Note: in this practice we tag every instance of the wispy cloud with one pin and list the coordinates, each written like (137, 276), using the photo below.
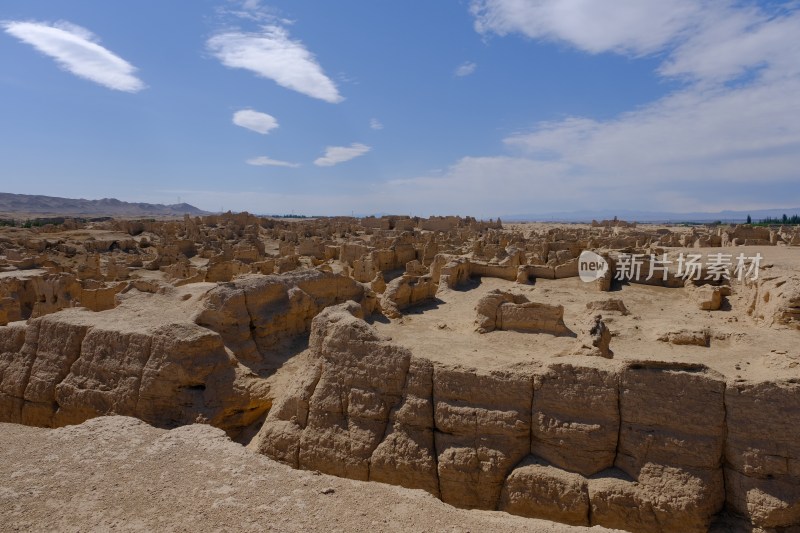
(339, 154)
(729, 137)
(271, 54)
(746, 135)
(465, 69)
(634, 27)
(702, 41)
(76, 50)
(264, 161)
(251, 10)
(251, 5)
(375, 124)
(255, 121)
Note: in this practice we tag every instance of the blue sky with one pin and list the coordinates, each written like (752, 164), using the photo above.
(479, 107)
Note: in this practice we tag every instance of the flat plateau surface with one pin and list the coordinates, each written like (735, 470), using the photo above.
(444, 331)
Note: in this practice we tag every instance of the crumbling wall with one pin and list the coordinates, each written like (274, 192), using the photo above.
(406, 291)
(177, 363)
(631, 445)
(507, 311)
(255, 313)
(72, 367)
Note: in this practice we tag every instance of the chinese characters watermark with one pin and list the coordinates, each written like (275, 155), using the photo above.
(718, 266)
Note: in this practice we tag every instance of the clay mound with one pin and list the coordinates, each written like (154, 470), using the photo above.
(687, 337)
(514, 312)
(610, 304)
(110, 473)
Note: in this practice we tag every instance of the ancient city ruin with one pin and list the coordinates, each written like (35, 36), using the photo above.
(464, 358)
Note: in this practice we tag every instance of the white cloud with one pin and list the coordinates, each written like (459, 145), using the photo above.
(76, 50)
(264, 161)
(729, 138)
(272, 54)
(339, 154)
(466, 69)
(712, 41)
(720, 136)
(483, 186)
(251, 10)
(251, 5)
(695, 150)
(735, 42)
(375, 124)
(625, 26)
(707, 129)
(254, 120)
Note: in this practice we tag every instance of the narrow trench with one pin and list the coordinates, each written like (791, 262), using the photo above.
(618, 383)
(434, 432)
(723, 459)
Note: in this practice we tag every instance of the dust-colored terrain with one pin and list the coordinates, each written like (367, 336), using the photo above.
(116, 473)
(461, 358)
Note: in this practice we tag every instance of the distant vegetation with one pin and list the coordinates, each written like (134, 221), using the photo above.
(27, 223)
(775, 221)
(56, 221)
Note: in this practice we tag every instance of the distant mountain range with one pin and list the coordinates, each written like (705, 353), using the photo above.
(655, 216)
(27, 204)
(42, 206)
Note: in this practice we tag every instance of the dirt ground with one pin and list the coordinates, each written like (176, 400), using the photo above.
(118, 473)
(739, 347)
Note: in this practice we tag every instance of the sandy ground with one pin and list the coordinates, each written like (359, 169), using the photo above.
(118, 473)
(445, 330)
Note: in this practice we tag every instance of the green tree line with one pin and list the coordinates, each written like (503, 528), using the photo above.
(775, 221)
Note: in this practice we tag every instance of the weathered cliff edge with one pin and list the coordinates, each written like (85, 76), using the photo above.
(642, 446)
(174, 357)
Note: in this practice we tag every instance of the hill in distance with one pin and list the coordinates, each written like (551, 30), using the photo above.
(36, 205)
